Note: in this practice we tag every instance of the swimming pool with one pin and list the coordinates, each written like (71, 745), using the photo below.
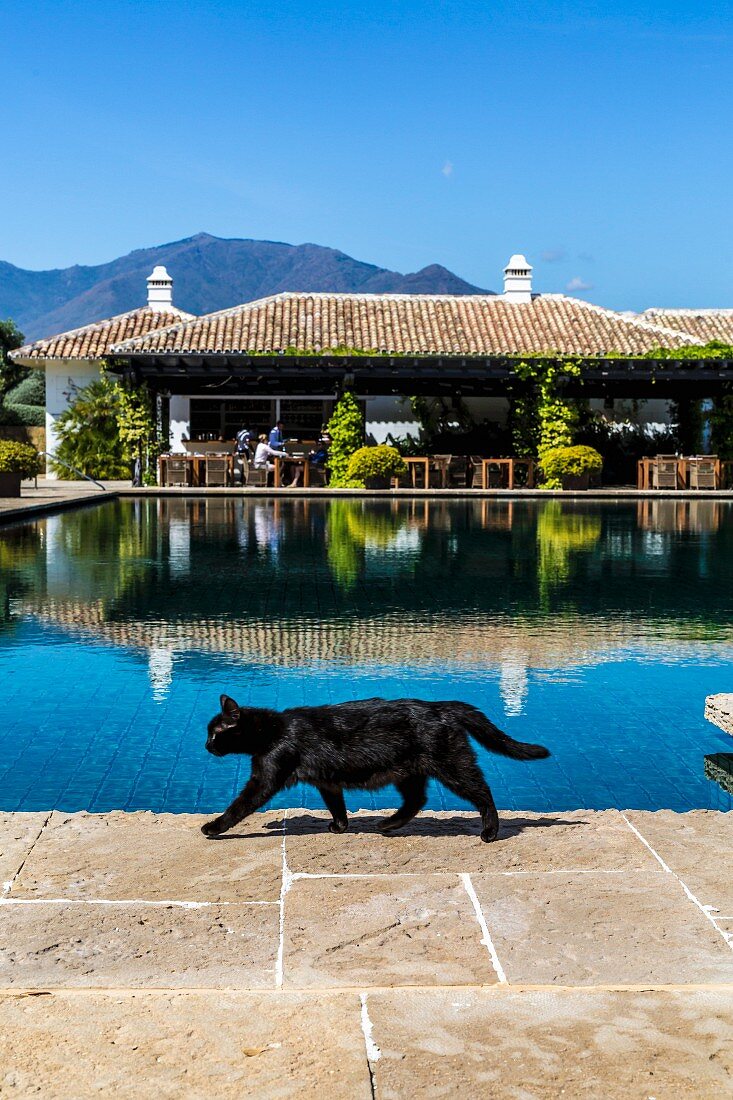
(597, 629)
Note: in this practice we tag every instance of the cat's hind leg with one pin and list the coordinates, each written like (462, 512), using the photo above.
(467, 782)
(412, 790)
(337, 807)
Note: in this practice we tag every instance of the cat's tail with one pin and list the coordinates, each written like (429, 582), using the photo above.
(492, 738)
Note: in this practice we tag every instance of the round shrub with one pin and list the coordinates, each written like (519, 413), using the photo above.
(19, 458)
(31, 390)
(380, 462)
(28, 416)
(560, 462)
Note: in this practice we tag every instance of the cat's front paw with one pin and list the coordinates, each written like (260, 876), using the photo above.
(212, 828)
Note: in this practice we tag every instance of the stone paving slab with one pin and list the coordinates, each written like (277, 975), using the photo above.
(170, 1045)
(18, 834)
(585, 840)
(61, 945)
(153, 857)
(597, 928)
(541, 1045)
(402, 931)
(696, 846)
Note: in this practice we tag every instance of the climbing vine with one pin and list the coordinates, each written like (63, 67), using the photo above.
(541, 417)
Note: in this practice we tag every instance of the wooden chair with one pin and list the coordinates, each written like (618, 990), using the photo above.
(458, 472)
(702, 472)
(256, 476)
(664, 472)
(217, 470)
(474, 469)
(177, 471)
(436, 467)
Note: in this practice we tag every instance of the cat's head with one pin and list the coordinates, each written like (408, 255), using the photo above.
(224, 734)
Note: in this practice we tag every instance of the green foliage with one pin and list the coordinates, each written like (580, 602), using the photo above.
(541, 418)
(715, 349)
(108, 424)
(346, 429)
(721, 426)
(382, 461)
(340, 349)
(570, 462)
(26, 416)
(10, 373)
(31, 390)
(89, 435)
(687, 420)
(19, 458)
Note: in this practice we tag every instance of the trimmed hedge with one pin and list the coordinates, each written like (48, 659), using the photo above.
(25, 416)
(29, 391)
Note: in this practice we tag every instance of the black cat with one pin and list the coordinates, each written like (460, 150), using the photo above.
(365, 744)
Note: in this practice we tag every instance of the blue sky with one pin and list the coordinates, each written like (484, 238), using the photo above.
(594, 137)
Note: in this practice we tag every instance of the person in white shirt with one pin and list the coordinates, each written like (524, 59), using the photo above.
(265, 454)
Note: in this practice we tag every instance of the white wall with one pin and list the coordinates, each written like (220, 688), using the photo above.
(179, 412)
(62, 377)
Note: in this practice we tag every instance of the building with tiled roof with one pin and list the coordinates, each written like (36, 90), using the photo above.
(284, 357)
(73, 359)
(703, 325)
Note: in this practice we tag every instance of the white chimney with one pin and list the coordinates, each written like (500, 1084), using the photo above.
(518, 280)
(160, 290)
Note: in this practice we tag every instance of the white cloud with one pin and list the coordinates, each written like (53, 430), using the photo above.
(576, 283)
(447, 169)
(553, 255)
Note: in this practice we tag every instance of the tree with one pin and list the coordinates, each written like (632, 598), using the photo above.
(10, 373)
(346, 429)
(89, 434)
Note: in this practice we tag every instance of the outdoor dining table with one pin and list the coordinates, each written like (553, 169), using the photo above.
(510, 464)
(299, 460)
(196, 465)
(645, 466)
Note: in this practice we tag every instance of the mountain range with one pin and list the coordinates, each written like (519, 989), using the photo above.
(209, 273)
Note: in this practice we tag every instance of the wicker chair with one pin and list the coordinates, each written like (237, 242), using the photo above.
(664, 472)
(436, 466)
(217, 471)
(702, 472)
(256, 476)
(458, 472)
(177, 471)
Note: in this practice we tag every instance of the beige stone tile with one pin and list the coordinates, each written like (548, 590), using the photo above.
(697, 846)
(18, 833)
(54, 945)
(550, 1045)
(154, 857)
(433, 842)
(195, 1045)
(382, 931)
(600, 928)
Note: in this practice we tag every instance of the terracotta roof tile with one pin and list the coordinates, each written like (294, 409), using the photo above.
(704, 325)
(416, 324)
(95, 340)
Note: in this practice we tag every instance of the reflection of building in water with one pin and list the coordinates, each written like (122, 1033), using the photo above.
(513, 683)
(160, 671)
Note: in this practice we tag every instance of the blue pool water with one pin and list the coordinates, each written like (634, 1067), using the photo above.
(595, 629)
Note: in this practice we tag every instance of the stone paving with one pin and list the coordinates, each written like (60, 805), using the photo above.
(584, 954)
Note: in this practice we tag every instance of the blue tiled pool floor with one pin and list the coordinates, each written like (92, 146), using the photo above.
(111, 666)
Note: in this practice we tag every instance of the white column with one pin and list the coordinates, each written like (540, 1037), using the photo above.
(180, 421)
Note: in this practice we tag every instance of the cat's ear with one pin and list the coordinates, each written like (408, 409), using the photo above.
(229, 707)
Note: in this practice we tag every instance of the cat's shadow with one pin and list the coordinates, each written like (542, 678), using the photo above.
(308, 824)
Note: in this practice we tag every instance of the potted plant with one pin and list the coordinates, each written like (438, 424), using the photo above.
(374, 467)
(570, 467)
(17, 462)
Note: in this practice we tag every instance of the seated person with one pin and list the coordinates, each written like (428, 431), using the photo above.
(319, 456)
(264, 456)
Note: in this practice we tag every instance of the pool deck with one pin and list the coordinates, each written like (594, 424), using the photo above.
(583, 954)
